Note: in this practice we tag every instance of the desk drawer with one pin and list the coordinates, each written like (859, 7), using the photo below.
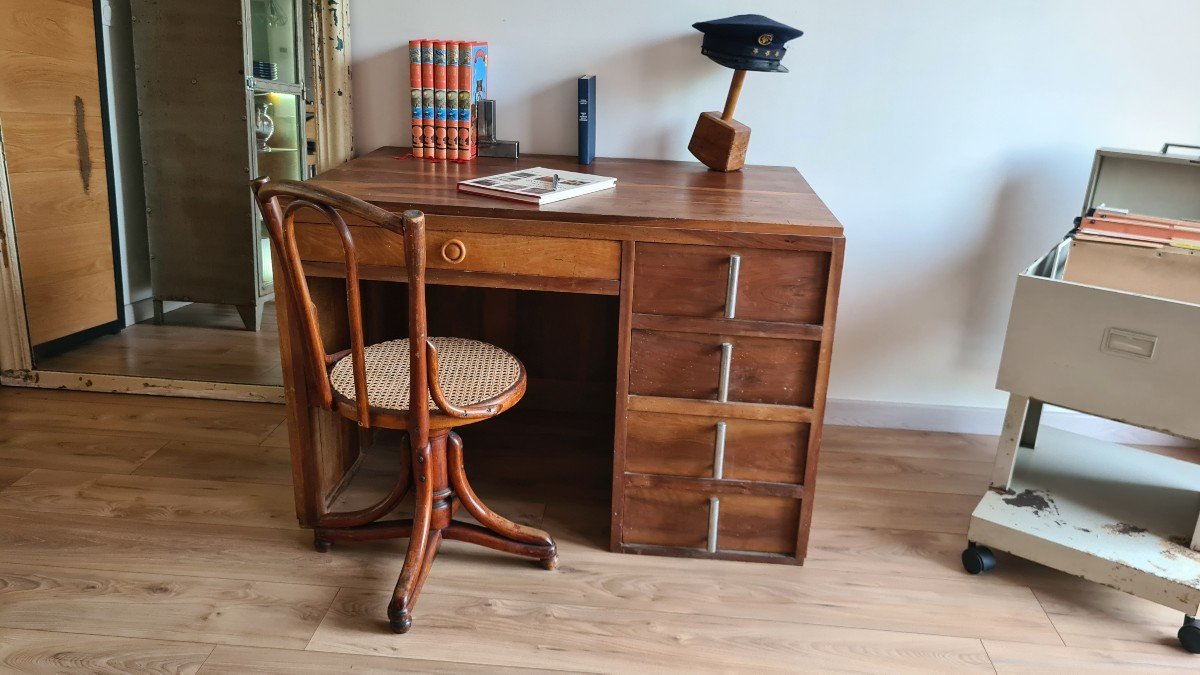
(471, 251)
(691, 365)
(683, 519)
(695, 281)
(691, 445)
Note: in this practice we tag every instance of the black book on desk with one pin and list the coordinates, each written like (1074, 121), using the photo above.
(587, 119)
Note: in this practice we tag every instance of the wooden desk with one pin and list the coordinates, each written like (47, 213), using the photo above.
(718, 362)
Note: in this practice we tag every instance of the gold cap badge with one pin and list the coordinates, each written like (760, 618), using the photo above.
(765, 39)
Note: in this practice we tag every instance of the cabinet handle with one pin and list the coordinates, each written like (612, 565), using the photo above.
(454, 251)
(714, 517)
(726, 362)
(719, 452)
(731, 290)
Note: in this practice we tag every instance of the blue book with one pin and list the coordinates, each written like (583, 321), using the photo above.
(587, 119)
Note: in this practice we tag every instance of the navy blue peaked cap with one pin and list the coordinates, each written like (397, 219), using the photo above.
(746, 42)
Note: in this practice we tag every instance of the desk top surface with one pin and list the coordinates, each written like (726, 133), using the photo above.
(765, 199)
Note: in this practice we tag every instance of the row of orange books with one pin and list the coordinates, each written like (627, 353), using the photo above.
(1134, 229)
(448, 79)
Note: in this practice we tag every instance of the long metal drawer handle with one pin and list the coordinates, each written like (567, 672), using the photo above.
(731, 291)
(726, 363)
(714, 517)
(719, 452)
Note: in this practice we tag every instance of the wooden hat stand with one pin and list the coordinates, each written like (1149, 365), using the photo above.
(720, 141)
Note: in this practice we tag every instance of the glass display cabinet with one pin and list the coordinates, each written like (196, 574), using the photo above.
(221, 99)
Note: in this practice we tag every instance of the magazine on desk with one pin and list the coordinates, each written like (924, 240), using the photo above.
(538, 185)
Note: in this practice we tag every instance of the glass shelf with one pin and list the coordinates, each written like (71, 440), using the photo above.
(274, 56)
(278, 155)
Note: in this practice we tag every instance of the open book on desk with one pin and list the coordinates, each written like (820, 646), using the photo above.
(537, 185)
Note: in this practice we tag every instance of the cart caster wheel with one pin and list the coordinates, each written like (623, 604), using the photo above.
(978, 559)
(322, 546)
(1189, 635)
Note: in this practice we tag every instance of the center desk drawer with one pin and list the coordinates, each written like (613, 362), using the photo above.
(470, 251)
(694, 445)
(694, 365)
(699, 281)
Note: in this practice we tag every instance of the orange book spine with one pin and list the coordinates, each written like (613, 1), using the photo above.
(418, 108)
(452, 100)
(472, 87)
(427, 97)
(439, 99)
(466, 123)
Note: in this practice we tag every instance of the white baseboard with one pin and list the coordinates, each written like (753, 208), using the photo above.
(970, 420)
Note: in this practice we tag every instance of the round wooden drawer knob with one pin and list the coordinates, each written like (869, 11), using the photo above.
(454, 251)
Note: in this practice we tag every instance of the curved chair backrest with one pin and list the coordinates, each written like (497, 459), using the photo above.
(279, 202)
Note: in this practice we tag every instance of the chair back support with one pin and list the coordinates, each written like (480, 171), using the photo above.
(279, 201)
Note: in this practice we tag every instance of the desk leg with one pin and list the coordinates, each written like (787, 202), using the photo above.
(323, 444)
(624, 335)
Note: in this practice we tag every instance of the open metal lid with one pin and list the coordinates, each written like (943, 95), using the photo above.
(1163, 184)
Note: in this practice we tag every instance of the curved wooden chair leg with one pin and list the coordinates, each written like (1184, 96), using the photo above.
(408, 586)
(490, 519)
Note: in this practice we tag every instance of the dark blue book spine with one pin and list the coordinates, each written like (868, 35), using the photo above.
(587, 119)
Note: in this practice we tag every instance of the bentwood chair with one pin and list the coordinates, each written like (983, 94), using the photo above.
(456, 382)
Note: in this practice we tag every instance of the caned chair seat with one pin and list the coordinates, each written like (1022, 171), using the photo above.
(470, 372)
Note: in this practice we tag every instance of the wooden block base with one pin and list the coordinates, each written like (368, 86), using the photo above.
(720, 144)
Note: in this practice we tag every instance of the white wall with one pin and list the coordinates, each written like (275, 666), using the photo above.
(953, 138)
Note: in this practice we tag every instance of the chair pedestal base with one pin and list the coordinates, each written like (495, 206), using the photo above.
(440, 485)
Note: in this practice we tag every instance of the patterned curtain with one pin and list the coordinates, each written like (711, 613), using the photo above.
(330, 85)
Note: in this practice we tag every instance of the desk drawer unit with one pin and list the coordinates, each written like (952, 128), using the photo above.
(728, 362)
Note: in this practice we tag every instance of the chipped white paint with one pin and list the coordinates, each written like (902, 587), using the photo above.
(149, 386)
(1111, 514)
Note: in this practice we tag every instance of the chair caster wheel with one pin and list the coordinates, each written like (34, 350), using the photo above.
(978, 559)
(322, 546)
(551, 563)
(1189, 634)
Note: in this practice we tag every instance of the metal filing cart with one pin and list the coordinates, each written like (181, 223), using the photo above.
(1112, 514)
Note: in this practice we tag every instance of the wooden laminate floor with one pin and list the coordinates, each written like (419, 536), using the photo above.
(201, 342)
(144, 533)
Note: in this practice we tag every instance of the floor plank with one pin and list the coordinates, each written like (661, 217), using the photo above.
(279, 437)
(263, 661)
(197, 342)
(908, 443)
(965, 606)
(127, 550)
(44, 449)
(124, 415)
(34, 651)
(263, 463)
(1107, 619)
(843, 506)
(517, 633)
(1021, 658)
(161, 607)
(919, 474)
(152, 498)
(10, 475)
